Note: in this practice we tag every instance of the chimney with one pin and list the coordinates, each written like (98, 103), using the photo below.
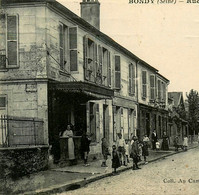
(90, 11)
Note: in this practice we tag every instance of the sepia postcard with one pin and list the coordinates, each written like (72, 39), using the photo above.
(99, 97)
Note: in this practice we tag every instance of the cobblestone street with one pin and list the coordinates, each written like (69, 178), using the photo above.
(177, 174)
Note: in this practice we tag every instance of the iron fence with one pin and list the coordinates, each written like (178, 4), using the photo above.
(18, 131)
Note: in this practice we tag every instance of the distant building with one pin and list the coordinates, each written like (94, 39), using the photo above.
(178, 125)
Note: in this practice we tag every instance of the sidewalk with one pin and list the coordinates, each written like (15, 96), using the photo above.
(72, 177)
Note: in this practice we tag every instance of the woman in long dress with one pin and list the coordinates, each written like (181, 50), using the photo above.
(68, 133)
(165, 141)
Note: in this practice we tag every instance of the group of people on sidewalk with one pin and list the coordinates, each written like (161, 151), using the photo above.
(122, 150)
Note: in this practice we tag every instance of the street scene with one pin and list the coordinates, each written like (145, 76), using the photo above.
(174, 175)
(97, 97)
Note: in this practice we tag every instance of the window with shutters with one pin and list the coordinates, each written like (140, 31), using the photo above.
(105, 66)
(12, 55)
(109, 69)
(163, 92)
(90, 59)
(73, 49)
(131, 79)
(3, 100)
(144, 84)
(99, 66)
(117, 72)
(152, 87)
(159, 91)
(63, 46)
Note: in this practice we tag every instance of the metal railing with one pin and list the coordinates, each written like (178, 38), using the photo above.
(20, 131)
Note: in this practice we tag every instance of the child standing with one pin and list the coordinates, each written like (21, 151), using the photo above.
(126, 147)
(139, 150)
(185, 143)
(85, 146)
(157, 145)
(120, 148)
(105, 152)
(115, 159)
(176, 143)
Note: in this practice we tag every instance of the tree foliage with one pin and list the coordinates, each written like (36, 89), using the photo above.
(193, 100)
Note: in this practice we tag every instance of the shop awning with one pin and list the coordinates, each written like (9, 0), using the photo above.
(89, 89)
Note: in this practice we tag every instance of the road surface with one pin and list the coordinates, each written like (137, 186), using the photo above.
(177, 174)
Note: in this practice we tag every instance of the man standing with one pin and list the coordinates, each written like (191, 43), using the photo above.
(154, 139)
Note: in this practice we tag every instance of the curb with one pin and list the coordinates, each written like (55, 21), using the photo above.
(81, 183)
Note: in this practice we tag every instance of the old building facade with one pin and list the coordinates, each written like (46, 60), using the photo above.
(60, 68)
(178, 124)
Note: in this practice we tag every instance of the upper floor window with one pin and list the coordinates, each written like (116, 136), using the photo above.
(73, 48)
(97, 62)
(144, 84)
(152, 86)
(62, 45)
(90, 58)
(105, 66)
(159, 90)
(117, 72)
(163, 91)
(12, 41)
(68, 49)
(131, 79)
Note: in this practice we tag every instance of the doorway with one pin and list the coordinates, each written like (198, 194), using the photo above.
(148, 124)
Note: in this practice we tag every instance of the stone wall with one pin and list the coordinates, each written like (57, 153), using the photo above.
(17, 162)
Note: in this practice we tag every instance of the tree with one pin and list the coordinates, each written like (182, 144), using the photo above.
(193, 100)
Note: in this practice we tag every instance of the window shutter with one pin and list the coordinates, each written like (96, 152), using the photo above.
(73, 48)
(12, 40)
(85, 45)
(133, 79)
(109, 69)
(152, 86)
(100, 63)
(117, 72)
(95, 61)
(144, 89)
(130, 78)
(164, 91)
(159, 90)
(61, 45)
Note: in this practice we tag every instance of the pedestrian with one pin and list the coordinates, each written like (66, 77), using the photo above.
(165, 141)
(132, 140)
(115, 159)
(134, 153)
(140, 151)
(157, 144)
(154, 139)
(126, 147)
(121, 149)
(85, 147)
(185, 143)
(145, 151)
(176, 143)
(105, 152)
(68, 133)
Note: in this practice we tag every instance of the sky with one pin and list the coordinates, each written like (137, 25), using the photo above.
(166, 36)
